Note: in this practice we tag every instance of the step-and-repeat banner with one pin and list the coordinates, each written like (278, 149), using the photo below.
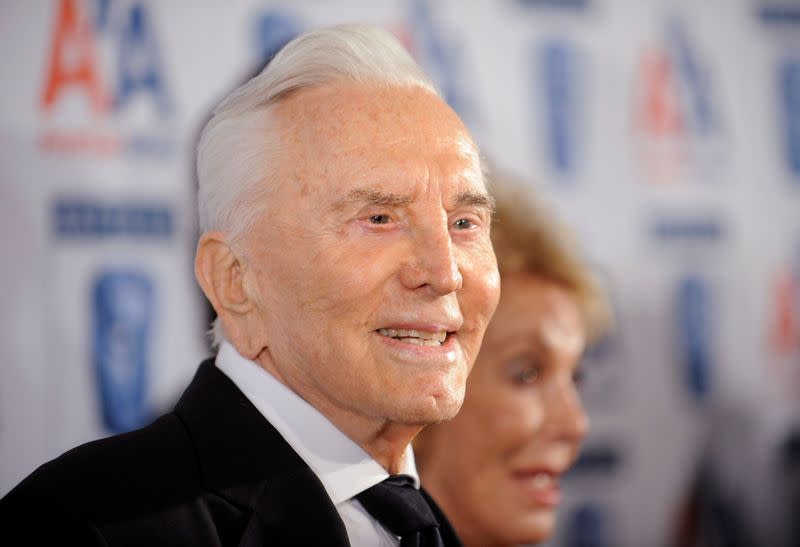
(666, 132)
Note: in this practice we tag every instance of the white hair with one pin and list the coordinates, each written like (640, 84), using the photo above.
(241, 143)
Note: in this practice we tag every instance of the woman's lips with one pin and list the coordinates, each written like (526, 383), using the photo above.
(540, 486)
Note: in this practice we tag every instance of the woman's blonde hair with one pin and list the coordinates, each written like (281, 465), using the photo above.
(530, 239)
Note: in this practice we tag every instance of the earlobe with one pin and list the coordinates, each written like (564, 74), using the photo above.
(219, 272)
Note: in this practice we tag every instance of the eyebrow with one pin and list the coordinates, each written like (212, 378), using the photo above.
(378, 197)
(373, 197)
(475, 199)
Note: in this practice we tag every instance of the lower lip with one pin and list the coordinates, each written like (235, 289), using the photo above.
(447, 350)
(547, 496)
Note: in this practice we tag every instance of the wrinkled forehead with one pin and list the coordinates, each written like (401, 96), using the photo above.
(347, 129)
(327, 110)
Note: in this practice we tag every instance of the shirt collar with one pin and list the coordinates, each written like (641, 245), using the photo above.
(343, 467)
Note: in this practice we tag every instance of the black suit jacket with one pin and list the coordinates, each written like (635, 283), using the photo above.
(212, 472)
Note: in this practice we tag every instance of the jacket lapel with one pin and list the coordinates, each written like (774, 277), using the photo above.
(244, 460)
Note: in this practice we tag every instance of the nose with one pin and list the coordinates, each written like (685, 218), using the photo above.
(566, 418)
(432, 263)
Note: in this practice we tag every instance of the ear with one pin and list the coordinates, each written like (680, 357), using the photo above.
(221, 274)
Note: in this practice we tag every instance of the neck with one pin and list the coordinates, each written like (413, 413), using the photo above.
(388, 445)
(384, 440)
(468, 529)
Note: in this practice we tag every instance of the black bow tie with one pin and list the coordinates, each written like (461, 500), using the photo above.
(402, 509)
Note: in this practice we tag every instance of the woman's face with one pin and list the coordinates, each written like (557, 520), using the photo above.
(495, 468)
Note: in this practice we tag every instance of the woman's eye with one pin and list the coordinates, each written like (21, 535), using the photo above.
(527, 376)
(464, 224)
(524, 370)
(379, 219)
(578, 376)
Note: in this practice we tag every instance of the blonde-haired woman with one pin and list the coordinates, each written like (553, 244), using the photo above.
(495, 468)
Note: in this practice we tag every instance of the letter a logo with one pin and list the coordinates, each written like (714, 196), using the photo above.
(785, 331)
(659, 109)
(72, 58)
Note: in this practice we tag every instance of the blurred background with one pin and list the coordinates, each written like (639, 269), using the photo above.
(667, 133)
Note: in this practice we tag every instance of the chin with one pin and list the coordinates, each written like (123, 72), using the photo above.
(430, 410)
(536, 529)
(503, 532)
(446, 406)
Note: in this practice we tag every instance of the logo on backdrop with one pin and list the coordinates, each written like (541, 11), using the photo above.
(568, 4)
(273, 30)
(588, 525)
(441, 56)
(82, 218)
(694, 311)
(783, 334)
(104, 88)
(123, 311)
(122, 302)
(677, 120)
(557, 75)
(789, 105)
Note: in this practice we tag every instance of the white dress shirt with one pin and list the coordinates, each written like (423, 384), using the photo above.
(342, 466)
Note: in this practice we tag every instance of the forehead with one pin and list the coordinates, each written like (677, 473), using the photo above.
(345, 134)
(536, 307)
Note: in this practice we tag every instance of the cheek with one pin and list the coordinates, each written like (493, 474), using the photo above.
(482, 264)
(483, 294)
(501, 419)
(345, 278)
(516, 421)
(320, 286)
(478, 301)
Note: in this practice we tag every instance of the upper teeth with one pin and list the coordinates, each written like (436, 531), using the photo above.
(541, 480)
(418, 337)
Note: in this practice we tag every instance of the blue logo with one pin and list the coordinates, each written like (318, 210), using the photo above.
(687, 230)
(789, 89)
(123, 303)
(558, 75)
(588, 527)
(694, 314)
(779, 13)
(75, 218)
(139, 62)
(274, 30)
(597, 459)
(701, 115)
(569, 4)
(442, 59)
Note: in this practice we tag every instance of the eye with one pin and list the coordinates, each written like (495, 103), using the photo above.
(524, 371)
(379, 219)
(526, 376)
(464, 224)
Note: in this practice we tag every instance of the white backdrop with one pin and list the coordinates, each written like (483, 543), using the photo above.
(666, 132)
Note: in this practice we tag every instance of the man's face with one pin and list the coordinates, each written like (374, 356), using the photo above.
(373, 260)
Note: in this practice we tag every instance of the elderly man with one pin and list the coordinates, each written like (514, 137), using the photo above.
(346, 250)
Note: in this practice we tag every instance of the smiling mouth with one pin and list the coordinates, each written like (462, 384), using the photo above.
(416, 337)
(541, 486)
